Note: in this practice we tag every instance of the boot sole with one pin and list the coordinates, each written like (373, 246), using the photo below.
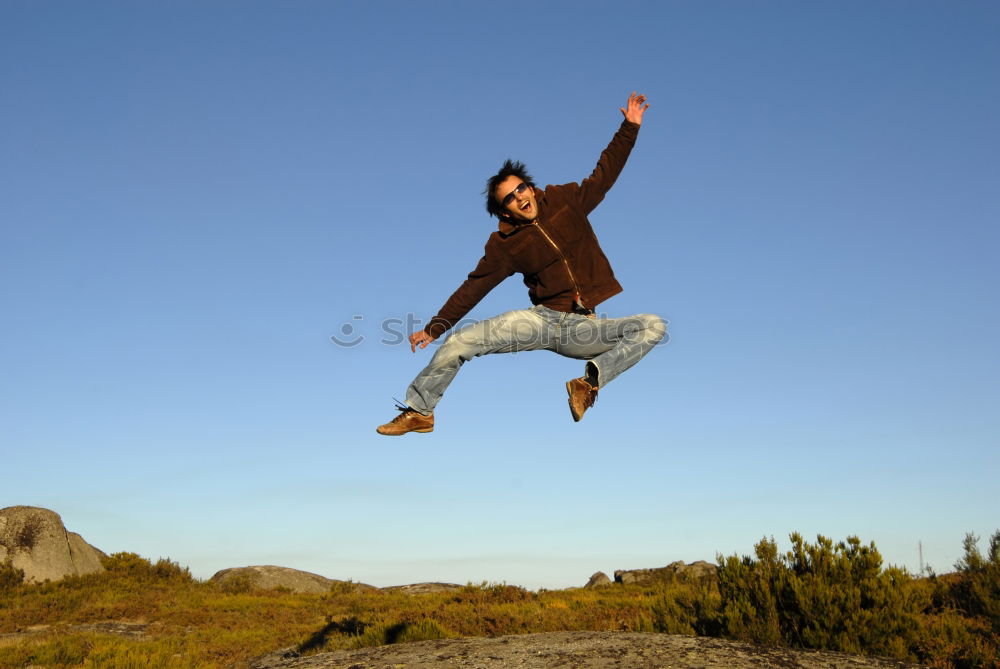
(400, 434)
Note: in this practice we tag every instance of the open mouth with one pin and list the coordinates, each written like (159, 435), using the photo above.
(526, 206)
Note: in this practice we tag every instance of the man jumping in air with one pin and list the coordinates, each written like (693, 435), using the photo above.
(543, 234)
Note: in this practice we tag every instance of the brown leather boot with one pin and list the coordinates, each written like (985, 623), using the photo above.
(582, 396)
(408, 420)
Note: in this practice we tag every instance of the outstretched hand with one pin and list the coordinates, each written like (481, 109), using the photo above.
(421, 339)
(635, 108)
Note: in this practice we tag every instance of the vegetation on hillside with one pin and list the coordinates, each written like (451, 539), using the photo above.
(823, 595)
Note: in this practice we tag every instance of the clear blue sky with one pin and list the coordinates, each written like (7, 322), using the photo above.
(194, 196)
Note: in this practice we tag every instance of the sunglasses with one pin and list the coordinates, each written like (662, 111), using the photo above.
(517, 191)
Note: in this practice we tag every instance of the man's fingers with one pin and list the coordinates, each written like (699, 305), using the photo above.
(635, 104)
(422, 342)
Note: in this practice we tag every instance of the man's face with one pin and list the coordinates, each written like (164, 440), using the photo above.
(517, 199)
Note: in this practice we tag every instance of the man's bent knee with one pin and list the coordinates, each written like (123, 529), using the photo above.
(656, 327)
(453, 351)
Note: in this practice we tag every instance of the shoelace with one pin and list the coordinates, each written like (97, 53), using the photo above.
(403, 409)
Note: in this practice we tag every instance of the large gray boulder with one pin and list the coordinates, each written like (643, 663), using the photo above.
(424, 588)
(675, 571)
(270, 577)
(599, 579)
(36, 541)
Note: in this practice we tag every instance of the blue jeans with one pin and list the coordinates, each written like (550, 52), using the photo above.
(611, 345)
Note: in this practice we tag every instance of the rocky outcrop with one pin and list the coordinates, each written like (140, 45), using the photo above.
(580, 650)
(269, 577)
(597, 580)
(424, 588)
(675, 571)
(36, 541)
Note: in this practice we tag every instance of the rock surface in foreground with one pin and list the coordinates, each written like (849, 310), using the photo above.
(36, 541)
(576, 650)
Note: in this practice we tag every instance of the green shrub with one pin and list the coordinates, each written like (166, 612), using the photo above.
(835, 597)
(748, 589)
(977, 592)
(238, 584)
(670, 615)
(963, 630)
(493, 593)
(344, 587)
(141, 569)
(948, 639)
(60, 651)
(10, 576)
(381, 634)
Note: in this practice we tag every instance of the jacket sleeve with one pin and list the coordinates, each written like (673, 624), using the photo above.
(595, 187)
(492, 268)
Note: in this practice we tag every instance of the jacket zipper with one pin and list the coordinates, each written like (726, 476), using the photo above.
(578, 301)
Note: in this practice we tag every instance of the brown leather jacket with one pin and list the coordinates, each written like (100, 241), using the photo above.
(563, 265)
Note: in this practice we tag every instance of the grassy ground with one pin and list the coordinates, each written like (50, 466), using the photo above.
(193, 624)
(818, 596)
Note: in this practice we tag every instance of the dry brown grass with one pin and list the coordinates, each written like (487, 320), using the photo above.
(181, 622)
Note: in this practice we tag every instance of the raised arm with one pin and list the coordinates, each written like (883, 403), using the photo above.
(612, 161)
